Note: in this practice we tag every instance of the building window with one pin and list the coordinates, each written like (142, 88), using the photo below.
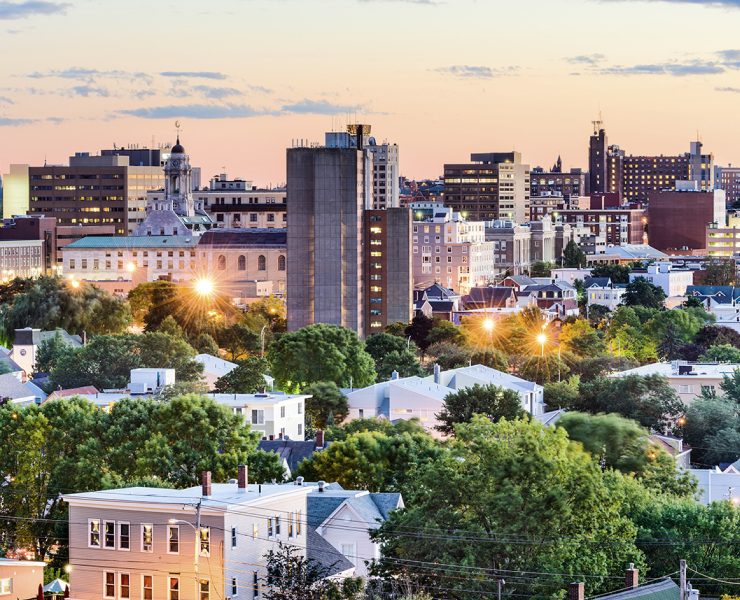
(291, 517)
(258, 417)
(282, 412)
(205, 589)
(255, 530)
(124, 536)
(234, 587)
(233, 537)
(277, 526)
(300, 429)
(281, 262)
(147, 538)
(6, 586)
(109, 584)
(173, 539)
(205, 541)
(93, 526)
(147, 587)
(174, 588)
(221, 262)
(109, 537)
(348, 550)
(124, 586)
(298, 523)
(269, 527)
(261, 263)
(255, 584)
(242, 263)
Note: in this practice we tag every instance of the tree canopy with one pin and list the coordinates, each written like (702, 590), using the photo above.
(640, 292)
(247, 378)
(491, 401)
(321, 353)
(327, 404)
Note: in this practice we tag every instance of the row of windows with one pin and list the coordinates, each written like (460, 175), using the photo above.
(116, 535)
(118, 586)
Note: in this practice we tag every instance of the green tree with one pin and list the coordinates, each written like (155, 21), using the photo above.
(493, 402)
(418, 330)
(50, 352)
(380, 344)
(378, 461)
(445, 331)
(321, 353)
(50, 303)
(544, 369)
(597, 315)
(326, 405)
(573, 256)
(724, 353)
(247, 378)
(641, 292)
(162, 350)
(239, 341)
(404, 363)
(562, 393)
(450, 356)
(707, 537)
(265, 467)
(143, 297)
(720, 271)
(205, 344)
(273, 311)
(537, 502)
(105, 362)
(620, 443)
(714, 335)
(706, 418)
(617, 273)
(541, 269)
(647, 399)
(581, 339)
(171, 327)
(292, 576)
(592, 367)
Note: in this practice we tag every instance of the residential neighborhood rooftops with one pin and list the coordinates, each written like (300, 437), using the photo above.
(222, 495)
(15, 390)
(214, 364)
(291, 452)
(682, 369)
(244, 399)
(665, 589)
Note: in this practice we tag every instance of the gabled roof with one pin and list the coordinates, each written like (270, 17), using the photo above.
(11, 387)
(601, 282)
(665, 589)
(488, 297)
(293, 452)
(721, 294)
(324, 554)
(521, 280)
(439, 292)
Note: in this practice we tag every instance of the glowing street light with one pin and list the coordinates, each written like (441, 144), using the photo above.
(74, 283)
(203, 287)
(489, 325)
(542, 340)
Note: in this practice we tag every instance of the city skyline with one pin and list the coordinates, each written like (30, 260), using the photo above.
(419, 71)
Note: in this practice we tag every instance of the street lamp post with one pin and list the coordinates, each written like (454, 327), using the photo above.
(262, 341)
(196, 530)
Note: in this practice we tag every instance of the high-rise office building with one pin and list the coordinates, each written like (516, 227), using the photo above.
(15, 191)
(94, 190)
(494, 185)
(384, 187)
(326, 200)
(349, 263)
(679, 219)
(597, 159)
(728, 179)
(542, 183)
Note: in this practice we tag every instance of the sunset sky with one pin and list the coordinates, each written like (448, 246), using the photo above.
(441, 78)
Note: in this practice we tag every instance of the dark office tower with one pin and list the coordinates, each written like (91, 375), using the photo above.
(598, 160)
(326, 200)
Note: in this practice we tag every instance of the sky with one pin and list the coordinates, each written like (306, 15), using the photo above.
(441, 78)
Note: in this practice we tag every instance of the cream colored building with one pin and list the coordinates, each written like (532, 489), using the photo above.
(20, 578)
(16, 194)
(23, 258)
(687, 379)
(201, 543)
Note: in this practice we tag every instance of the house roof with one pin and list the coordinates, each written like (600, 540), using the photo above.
(488, 297)
(13, 367)
(245, 237)
(521, 280)
(222, 494)
(88, 389)
(133, 241)
(11, 387)
(439, 292)
(550, 417)
(721, 294)
(214, 364)
(665, 589)
(699, 370)
(324, 554)
(372, 508)
(601, 282)
(293, 452)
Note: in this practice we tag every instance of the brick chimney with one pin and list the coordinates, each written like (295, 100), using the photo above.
(319, 437)
(243, 479)
(576, 591)
(631, 577)
(205, 479)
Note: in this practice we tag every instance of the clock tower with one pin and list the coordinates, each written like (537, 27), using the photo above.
(178, 182)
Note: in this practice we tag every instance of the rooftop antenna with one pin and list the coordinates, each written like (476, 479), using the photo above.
(177, 126)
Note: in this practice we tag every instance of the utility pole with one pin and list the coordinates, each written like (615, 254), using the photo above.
(499, 584)
(682, 580)
(197, 547)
